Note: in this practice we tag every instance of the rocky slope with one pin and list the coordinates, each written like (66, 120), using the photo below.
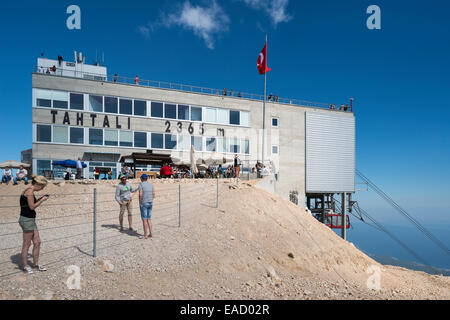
(254, 246)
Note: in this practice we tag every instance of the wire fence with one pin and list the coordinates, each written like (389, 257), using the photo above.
(84, 224)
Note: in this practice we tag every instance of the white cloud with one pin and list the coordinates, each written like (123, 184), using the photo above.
(145, 31)
(275, 9)
(206, 22)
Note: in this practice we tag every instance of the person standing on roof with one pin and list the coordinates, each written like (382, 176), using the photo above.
(136, 80)
(124, 198)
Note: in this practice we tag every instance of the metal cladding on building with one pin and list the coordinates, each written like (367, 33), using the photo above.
(79, 111)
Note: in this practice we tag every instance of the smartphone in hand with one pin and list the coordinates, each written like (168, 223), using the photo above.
(45, 195)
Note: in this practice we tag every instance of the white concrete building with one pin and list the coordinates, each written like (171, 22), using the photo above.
(79, 111)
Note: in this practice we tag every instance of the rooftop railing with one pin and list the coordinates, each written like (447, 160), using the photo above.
(184, 88)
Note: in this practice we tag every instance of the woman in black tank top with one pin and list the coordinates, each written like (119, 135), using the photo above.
(28, 204)
(25, 210)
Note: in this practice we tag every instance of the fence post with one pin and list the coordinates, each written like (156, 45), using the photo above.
(217, 194)
(179, 206)
(95, 224)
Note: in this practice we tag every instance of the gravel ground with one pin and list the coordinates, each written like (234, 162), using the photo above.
(254, 246)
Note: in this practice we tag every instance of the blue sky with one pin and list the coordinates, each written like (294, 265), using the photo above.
(318, 51)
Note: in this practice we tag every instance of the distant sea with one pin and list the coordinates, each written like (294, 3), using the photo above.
(383, 249)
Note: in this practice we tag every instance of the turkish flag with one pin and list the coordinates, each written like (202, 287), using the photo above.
(262, 61)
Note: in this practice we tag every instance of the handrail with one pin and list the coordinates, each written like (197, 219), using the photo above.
(61, 72)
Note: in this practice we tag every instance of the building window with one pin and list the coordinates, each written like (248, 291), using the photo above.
(222, 145)
(111, 137)
(170, 141)
(275, 150)
(77, 135)
(60, 99)
(211, 144)
(196, 113)
(246, 146)
(170, 111)
(126, 107)
(223, 116)
(96, 103)
(96, 137)
(184, 142)
(43, 165)
(183, 112)
(126, 139)
(211, 115)
(235, 117)
(111, 105)
(44, 133)
(43, 98)
(235, 146)
(197, 142)
(140, 140)
(245, 118)
(60, 134)
(157, 141)
(157, 110)
(76, 101)
(275, 122)
(140, 108)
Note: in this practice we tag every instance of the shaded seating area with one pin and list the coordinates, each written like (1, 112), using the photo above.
(145, 158)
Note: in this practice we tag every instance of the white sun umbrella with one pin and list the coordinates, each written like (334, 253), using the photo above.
(214, 159)
(181, 159)
(228, 159)
(194, 169)
(13, 164)
(218, 158)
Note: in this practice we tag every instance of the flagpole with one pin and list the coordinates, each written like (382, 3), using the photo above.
(264, 108)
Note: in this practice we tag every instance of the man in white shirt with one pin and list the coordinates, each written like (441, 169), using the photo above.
(79, 168)
(22, 174)
(7, 175)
